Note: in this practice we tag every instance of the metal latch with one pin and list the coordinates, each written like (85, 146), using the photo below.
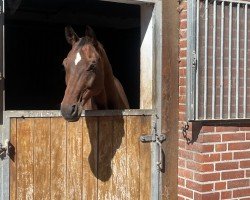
(158, 139)
(4, 149)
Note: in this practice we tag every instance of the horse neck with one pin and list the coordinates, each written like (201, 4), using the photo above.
(110, 91)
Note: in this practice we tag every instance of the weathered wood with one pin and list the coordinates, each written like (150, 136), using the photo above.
(41, 134)
(58, 158)
(94, 158)
(170, 95)
(13, 162)
(147, 58)
(133, 157)
(119, 162)
(74, 160)
(89, 163)
(145, 161)
(105, 158)
(25, 173)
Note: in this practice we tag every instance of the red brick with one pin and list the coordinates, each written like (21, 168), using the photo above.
(183, 63)
(181, 198)
(226, 195)
(182, 144)
(226, 156)
(182, 82)
(239, 146)
(207, 177)
(185, 173)
(186, 154)
(242, 155)
(207, 129)
(181, 162)
(220, 147)
(182, 72)
(246, 128)
(248, 136)
(248, 173)
(183, 44)
(207, 168)
(183, 53)
(181, 181)
(245, 164)
(207, 148)
(233, 137)
(212, 138)
(238, 183)
(182, 90)
(226, 166)
(207, 196)
(232, 175)
(199, 187)
(182, 117)
(183, 34)
(183, 6)
(220, 186)
(183, 15)
(227, 128)
(183, 24)
(241, 193)
(200, 167)
(247, 198)
(182, 99)
(206, 158)
(185, 192)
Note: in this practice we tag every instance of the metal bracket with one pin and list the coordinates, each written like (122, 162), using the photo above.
(153, 138)
(194, 61)
(4, 149)
(158, 139)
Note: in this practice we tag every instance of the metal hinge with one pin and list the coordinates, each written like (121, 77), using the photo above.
(4, 149)
(158, 139)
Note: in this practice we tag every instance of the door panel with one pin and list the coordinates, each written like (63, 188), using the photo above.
(94, 158)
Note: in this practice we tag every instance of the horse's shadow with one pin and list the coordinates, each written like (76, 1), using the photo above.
(105, 139)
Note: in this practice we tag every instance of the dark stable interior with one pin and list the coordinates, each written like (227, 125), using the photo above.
(35, 47)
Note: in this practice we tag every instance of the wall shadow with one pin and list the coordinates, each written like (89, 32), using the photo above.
(105, 138)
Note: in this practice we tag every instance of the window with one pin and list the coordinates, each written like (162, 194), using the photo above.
(218, 60)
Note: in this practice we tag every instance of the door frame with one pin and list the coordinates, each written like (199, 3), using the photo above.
(151, 94)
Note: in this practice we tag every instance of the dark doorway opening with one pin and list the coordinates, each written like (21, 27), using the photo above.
(35, 47)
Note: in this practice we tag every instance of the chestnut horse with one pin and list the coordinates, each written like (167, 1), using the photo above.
(89, 78)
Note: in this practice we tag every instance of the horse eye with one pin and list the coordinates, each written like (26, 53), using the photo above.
(91, 67)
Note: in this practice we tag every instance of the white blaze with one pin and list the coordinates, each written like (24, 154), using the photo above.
(78, 58)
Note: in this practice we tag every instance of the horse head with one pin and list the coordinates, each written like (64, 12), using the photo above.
(84, 73)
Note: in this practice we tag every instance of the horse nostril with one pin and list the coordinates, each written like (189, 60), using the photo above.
(73, 110)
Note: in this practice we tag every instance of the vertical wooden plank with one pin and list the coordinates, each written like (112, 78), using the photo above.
(13, 164)
(119, 175)
(105, 132)
(58, 158)
(74, 160)
(145, 160)
(25, 175)
(89, 164)
(133, 157)
(41, 136)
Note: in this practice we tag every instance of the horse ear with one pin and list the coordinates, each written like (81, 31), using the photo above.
(91, 34)
(70, 35)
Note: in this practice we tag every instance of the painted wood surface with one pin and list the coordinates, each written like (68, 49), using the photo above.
(94, 158)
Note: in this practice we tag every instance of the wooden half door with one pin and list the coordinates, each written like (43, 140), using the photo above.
(94, 158)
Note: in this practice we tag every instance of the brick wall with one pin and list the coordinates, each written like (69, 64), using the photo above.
(214, 160)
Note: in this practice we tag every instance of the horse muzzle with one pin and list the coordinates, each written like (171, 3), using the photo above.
(71, 113)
